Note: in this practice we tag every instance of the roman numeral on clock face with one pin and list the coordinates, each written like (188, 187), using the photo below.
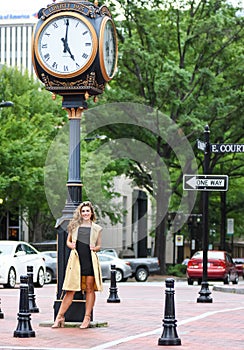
(54, 65)
(47, 56)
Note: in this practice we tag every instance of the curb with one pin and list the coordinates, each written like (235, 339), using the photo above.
(93, 324)
(228, 289)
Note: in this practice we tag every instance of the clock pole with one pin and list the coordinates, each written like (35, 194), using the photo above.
(74, 107)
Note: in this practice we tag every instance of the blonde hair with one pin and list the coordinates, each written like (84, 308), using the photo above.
(77, 218)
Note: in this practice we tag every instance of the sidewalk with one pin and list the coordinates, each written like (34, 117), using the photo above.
(136, 322)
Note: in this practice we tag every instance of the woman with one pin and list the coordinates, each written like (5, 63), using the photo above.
(84, 236)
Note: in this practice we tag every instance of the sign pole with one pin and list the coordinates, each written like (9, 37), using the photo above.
(205, 292)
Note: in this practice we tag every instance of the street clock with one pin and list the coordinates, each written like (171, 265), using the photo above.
(75, 48)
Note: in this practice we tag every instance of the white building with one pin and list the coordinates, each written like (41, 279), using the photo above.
(133, 231)
(15, 44)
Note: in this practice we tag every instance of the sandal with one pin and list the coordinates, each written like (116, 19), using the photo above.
(86, 322)
(59, 322)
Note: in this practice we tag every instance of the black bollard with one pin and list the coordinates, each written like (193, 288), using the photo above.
(24, 329)
(1, 313)
(169, 336)
(113, 295)
(31, 295)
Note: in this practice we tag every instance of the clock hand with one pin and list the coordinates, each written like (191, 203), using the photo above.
(65, 40)
(107, 48)
(65, 44)
(68, 49)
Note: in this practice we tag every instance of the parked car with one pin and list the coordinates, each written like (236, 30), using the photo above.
(240, 266)
(141, 267)
(51, 265)
(123, 269)
(15, 256)
(109, 251)
(220, 267)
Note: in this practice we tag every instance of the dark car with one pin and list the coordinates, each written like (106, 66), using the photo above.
(51, 265)
(240, 266)
(220, 267)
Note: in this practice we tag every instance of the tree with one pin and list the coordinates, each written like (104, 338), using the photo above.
(185, 61)
(27, 130)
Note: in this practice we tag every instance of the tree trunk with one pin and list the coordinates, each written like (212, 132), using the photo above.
(162, 199)
(160, 246)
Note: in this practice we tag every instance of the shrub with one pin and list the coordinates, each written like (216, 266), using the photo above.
(178, 270)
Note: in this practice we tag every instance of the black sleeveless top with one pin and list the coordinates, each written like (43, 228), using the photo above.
(84, 252)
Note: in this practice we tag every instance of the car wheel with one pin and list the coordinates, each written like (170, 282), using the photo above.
(40, 278)
(119, 276)
(236, 280)
(141, 274)
(227, 279)
(190, 281)
(11, 279)
(49, 276)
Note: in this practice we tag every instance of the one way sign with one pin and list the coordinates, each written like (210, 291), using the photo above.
(205, 182)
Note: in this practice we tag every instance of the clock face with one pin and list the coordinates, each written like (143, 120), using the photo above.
(66, 45)
(108, 49)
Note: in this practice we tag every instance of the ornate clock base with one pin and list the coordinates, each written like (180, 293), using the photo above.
(74, 101)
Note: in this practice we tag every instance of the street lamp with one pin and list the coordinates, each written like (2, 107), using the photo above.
(6, 104)
(96, 137)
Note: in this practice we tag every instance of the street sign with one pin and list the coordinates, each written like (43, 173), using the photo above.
(205, 182)
(230, 226)
(179, 240)
(201, 145)
(227, 148)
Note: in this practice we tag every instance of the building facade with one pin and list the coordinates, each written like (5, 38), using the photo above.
(15, 44)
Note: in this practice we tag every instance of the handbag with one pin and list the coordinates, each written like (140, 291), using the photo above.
(72, 279)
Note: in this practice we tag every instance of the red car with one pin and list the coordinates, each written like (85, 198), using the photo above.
(240, 266)
(220, 267)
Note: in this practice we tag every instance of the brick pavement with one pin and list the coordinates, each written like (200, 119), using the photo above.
(136, 322)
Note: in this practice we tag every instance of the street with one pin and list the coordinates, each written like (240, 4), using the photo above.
(135, 322)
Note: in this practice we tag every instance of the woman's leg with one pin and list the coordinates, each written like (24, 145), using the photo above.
(90, 300)
(66, 302)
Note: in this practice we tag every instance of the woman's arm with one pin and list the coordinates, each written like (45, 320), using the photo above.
(70, 244)
(97, 247)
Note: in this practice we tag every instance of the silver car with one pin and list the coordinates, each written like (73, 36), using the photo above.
(123, 269)
(50, 257)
